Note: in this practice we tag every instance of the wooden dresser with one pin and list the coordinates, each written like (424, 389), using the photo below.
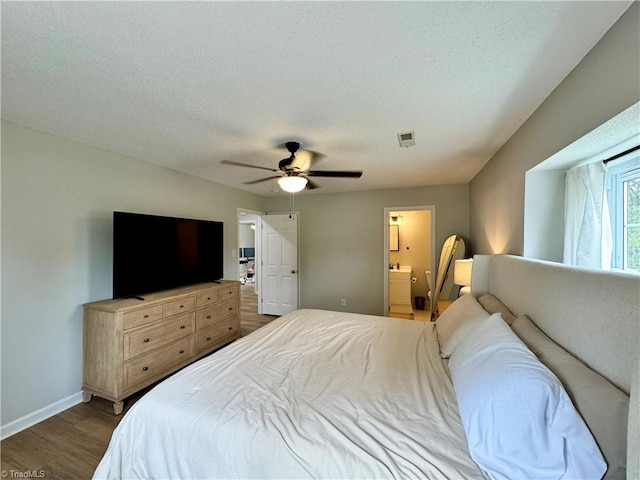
(130, 344)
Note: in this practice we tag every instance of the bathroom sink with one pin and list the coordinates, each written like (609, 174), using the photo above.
(403, 269)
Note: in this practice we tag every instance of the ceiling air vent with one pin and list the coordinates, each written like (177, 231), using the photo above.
(407, 139)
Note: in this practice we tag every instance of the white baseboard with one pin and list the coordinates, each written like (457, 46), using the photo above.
(38, 416)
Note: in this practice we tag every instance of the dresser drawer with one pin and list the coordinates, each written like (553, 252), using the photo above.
(182, 305)
(229, 291)
(160, 333)
(206, 317)
(150, 365)
(207, 298)
(216, 313)
(211, 336)
(142, 316)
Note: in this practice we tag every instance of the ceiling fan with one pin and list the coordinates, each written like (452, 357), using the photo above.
(293, 171)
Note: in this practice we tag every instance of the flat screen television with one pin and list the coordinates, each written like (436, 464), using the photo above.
(153, 253)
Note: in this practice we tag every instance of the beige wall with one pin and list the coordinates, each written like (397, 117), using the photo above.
(342, 240)
(57, 202)
(246, 235)
(605, 83)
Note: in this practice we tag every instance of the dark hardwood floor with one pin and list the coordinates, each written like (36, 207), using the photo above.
(70, 445)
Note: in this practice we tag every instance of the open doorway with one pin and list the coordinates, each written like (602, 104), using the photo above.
(268, 259)
(249, 248)
(409, 244)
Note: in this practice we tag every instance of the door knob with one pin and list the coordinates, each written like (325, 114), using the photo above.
(293, 271)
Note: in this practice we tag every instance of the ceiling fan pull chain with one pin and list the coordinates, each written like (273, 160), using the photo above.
(291, 204)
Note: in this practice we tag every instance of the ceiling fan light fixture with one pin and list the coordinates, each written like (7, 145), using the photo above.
(292, 184)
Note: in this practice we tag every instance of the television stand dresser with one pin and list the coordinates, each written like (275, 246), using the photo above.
(131, 343)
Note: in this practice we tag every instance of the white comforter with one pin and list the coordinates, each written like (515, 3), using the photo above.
(314, 394)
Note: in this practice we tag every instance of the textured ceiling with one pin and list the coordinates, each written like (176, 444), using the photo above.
(187, 85)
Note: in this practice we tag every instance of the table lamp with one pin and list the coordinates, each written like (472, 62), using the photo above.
(462, 275)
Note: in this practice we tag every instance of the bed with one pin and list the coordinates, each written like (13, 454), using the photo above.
(319, 394)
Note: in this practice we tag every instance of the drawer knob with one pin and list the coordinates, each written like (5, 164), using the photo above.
(146, 316)
(208, 298)
(208, 316)
(181, 351)
(230, 328)
(144, 369)
(230, 308)
(208, 338)
(182, 327)
(181, 306)
(146, 340)
(230, 292)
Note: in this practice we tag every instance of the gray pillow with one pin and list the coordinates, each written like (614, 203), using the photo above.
(603, 407)
(492, 305)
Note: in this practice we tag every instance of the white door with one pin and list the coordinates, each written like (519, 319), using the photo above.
(279, 272)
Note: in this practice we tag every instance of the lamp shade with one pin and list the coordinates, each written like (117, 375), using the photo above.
(292, 184)
(462, 272)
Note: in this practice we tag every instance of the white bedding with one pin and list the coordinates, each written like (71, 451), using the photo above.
(313, 394)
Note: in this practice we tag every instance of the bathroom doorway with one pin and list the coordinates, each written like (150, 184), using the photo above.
(410, 243)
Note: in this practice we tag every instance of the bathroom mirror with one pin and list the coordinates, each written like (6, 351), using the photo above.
(452, 250)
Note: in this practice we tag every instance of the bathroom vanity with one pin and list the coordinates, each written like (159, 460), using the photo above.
(400, 292)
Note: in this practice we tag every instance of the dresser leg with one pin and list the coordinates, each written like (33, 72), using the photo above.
(86, 397)
(117, 407)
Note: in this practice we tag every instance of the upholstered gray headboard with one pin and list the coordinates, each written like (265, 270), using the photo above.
(593, 314)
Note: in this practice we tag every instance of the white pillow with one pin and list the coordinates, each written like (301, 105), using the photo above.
(457, 321)
(519, 421)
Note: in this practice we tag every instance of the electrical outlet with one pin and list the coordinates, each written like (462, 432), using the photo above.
(343, 302)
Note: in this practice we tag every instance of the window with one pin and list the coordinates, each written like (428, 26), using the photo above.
(623, 184)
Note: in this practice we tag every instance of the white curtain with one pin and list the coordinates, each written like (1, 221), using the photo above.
(587, 231)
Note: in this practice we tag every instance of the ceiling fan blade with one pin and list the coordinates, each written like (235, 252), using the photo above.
(302, 161)
(238, 164)
(252, 182)
(311, 185)
(335, 173)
